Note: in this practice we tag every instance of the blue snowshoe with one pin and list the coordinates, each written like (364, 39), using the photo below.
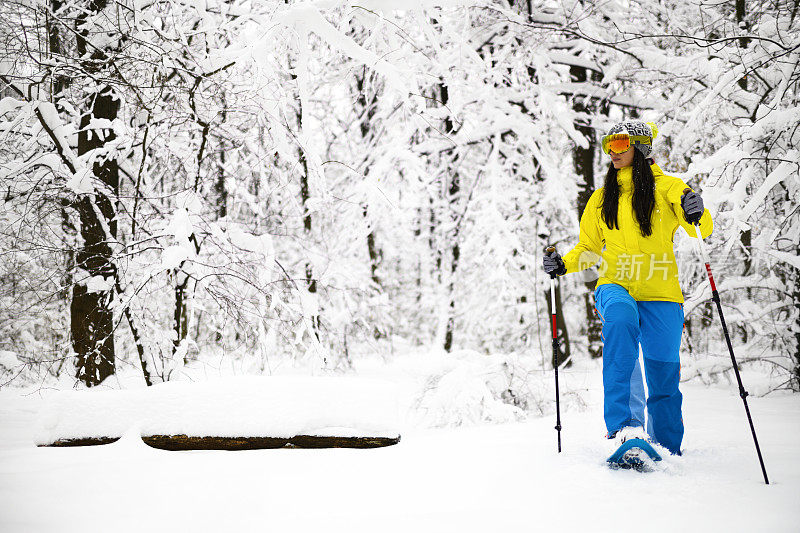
(636, 454)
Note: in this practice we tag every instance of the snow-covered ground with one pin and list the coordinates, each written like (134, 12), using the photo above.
(482, 478)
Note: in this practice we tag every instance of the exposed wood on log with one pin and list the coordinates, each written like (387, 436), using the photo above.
(309, 441)
(90, 441)
(184, 442)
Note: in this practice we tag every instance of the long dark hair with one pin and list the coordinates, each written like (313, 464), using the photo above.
(644, 196)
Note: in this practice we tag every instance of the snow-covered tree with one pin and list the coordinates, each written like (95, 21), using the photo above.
(261, 182)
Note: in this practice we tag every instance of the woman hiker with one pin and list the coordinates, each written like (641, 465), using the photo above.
(629, 223)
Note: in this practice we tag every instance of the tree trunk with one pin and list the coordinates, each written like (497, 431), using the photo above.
(795, 372)
(219, 185)
(305, 196)
(453, 195)
(181, 311)
(746, 237)
(373, 252)
(92, 317)
(365, 108)
(59, 81)
(583, 163)
(91, 314)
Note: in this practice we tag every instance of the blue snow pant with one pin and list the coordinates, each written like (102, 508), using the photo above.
(657, 326)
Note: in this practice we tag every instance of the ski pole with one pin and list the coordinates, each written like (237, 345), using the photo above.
(552, 249)
(742, 392)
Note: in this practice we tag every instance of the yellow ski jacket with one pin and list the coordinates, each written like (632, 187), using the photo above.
(644, 266)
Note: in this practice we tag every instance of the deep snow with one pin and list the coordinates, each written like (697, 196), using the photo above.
(484, 478)
(235, 406)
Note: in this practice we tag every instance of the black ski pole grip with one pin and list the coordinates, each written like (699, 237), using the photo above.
(551, 250)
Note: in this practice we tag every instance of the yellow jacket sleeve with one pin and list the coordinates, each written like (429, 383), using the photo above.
(674, 194)
(590, 241)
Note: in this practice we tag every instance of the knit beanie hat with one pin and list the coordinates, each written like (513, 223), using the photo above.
(641, 134)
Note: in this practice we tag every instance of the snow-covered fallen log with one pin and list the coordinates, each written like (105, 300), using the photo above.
(233, 413)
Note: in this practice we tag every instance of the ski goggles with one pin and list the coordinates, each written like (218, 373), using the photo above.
(620, 142)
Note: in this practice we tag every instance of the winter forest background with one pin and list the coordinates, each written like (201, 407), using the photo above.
(253, 185)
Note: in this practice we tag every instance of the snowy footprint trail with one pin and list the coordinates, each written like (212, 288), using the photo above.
(481, 479)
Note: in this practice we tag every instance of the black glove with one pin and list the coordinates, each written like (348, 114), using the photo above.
(553, 264)
(692, 205)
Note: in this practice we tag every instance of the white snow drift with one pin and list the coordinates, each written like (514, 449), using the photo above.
(280, 407)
